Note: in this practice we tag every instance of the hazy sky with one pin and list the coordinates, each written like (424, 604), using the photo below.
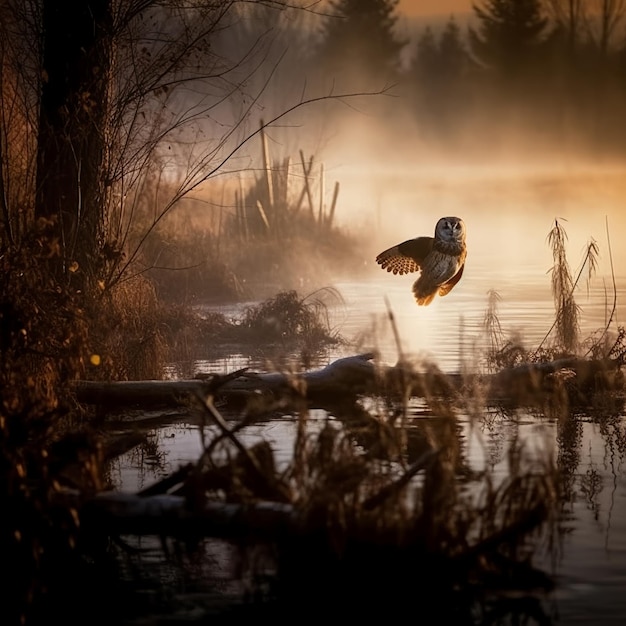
(434, 7)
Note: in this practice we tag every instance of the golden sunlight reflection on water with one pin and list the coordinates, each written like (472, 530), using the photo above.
(449, 332)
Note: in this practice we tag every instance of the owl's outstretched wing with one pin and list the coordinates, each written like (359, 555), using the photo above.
(407, 256)
(446, 288)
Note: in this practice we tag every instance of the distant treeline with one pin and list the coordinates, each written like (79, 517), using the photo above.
(521, 72)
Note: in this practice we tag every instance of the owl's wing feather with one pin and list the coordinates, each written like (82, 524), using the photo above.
(407, 256)
(446, 288)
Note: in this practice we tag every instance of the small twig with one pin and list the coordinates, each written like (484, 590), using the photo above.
(388, 490)
(207, 402)
(269, 481)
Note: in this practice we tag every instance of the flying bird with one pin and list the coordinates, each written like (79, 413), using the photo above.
(439, 259)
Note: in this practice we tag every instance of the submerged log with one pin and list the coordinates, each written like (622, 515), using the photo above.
(156, 510)
(168, 515)
(356, 375)
(577, 377)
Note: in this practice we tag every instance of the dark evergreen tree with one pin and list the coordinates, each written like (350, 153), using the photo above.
(437, 77)
(442, 61)
(425, 65)
(453, 56)
(359, 40)
(509, 34)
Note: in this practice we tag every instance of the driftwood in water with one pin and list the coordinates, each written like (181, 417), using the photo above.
(347, 376)
(351, 376)
(303, 540)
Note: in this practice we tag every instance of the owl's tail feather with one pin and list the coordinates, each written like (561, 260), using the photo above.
(423, 299)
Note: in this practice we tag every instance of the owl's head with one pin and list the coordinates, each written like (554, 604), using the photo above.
(450, 229)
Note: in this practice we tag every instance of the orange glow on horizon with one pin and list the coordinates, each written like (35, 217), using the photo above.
(433, 7)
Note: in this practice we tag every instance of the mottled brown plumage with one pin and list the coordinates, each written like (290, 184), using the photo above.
(439, 259)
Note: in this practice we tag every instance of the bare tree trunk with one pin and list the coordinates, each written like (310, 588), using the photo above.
(570, 15)
(611, 13)
(71, 148)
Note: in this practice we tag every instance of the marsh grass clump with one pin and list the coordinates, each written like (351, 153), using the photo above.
(502, 352)
(289, 318)
(567, 311)
(491, 325)
(242, 239)
(499, 351)
(281, 328)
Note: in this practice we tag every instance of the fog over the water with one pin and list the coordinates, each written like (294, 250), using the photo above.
(507, 156)
(394, 185)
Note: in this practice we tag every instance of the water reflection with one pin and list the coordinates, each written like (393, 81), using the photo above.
(450, 331)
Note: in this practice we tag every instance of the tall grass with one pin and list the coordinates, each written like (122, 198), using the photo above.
(376, 526)
(567, 318)
(128, 336)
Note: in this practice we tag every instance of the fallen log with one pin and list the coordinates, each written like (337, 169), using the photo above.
(157, 511)
(349, 375)
(577, 377)
(352, 376)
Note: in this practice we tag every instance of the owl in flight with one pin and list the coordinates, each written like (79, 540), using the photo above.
(439, 259)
